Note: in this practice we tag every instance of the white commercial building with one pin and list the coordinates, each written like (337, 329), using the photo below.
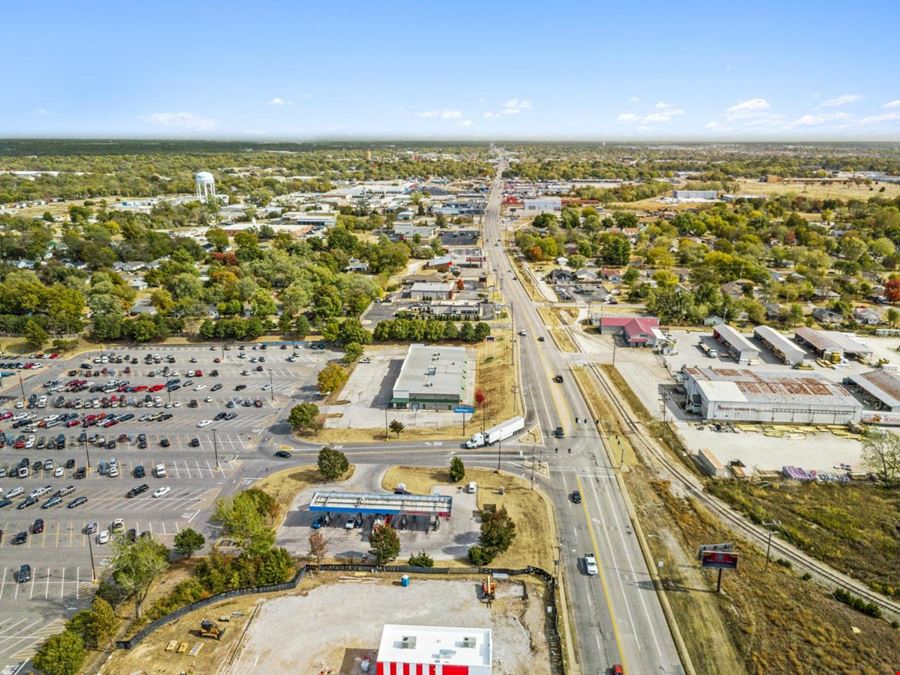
(434, 378)
(428, 290)
(408, 231)
(434, 650)
(543, 205)
(738, 395)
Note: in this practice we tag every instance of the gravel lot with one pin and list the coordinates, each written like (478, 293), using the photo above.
(334, 626)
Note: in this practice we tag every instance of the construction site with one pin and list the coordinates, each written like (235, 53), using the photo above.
(333, 623)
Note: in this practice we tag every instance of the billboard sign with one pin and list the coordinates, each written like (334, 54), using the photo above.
(713, 547)
(464, 409)
(722, 560)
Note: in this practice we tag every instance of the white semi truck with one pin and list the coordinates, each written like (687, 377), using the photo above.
(500, 432)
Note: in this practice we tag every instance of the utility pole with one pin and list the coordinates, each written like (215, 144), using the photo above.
(770, 525)
(216, 448)
(499, 448)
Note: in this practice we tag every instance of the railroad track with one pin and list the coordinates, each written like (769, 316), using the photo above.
(733, 518)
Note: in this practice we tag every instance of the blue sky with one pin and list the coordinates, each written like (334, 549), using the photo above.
(612, 70)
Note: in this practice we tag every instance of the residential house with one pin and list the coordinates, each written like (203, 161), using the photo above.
(560, 276)
(867, 316)
(826, 316)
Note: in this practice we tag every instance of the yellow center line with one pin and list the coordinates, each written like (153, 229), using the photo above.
(606, 596)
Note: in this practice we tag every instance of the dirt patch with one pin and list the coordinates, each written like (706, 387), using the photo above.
(334, 625)
(534, 542)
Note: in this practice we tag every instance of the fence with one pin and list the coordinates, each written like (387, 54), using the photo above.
(551, 625)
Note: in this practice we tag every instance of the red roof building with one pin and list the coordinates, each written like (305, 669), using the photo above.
(637, 331)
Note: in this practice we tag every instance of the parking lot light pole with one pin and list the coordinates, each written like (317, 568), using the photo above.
(87, 452)
(216, 448)
(91, 550)
(21, 388)
(271, 387)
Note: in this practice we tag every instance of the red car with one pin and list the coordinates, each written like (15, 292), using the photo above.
(157, 387)
(616, 669)
(54, 355)
(198, 373)
(6, 415)
(141, 387)
(72, 423)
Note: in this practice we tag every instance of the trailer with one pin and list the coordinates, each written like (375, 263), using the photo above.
(497, 433)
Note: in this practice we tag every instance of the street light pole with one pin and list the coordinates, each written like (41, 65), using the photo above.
(499, 448)
(91, 551)
(21, 388)
(216, 448)
(87, 452)
(271, 387)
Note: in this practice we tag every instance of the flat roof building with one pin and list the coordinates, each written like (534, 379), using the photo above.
(744, 352)
(408, 231)
(434, 378)
(783, 348)
(430, 290)
(543, 205)
(434, 650)
(740, 395)
(830, 344)
(381, 503)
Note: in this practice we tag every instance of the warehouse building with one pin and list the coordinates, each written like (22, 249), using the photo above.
(434, 378)
(739, 395)
(434, 650)
(743, 351)
(543, 205)
(881, 386)
(833, 345)
(783, 348)
(407, 231)
(428, 290)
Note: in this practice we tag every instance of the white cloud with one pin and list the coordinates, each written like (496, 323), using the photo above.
(713, 125)
(750, 105)
(441, 114)
(490, 115)
(841, 100)
(181, 120)
(278, 101)
(634, 99)
(514, 106)
(892, 104)
(464, 123)
(884, 117)
(815, 120)
(664, 113)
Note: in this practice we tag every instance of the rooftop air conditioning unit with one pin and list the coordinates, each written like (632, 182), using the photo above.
(408, 642)
(468, 642)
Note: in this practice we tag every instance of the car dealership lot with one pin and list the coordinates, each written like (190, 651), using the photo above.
(60, 556)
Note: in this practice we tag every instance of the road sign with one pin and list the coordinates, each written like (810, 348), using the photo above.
(722, 560)
(713, 547)
(464, 409)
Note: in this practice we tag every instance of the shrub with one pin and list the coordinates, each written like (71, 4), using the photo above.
(479, 556)
(857, 603)
(421, 560)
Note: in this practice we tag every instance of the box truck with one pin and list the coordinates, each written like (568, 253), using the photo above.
(498, 433)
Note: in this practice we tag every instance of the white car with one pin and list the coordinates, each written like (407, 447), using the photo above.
(15, 492)
(20, 403)
(162, 491)
(117, 525)
(199, 387)
(266, 387)
(204, 423)
(58, 472)
(113, 472)
(590, 565)
(103, 537)
(208, 399)
(29, 443)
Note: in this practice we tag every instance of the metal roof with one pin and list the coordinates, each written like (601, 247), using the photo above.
(430, 370)
(742, 385)
(882, 384)
(792, 352)
(832, 341)
(381, 503)
(734, 339)
(436, 645)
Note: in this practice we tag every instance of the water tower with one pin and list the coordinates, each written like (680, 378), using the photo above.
(205, 185)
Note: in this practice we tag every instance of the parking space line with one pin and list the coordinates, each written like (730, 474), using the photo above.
(33, 577)
(62, 584)
(47, 587)
(77, 582)
(3, 583)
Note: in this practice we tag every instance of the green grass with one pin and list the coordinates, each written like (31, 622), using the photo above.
(850, 527)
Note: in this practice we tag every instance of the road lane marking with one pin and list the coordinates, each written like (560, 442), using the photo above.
(62, 584)
(609, 606)
(47, 586)
(634, 576)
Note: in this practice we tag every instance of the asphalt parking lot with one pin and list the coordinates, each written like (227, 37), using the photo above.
(60, 556)
(460, 237)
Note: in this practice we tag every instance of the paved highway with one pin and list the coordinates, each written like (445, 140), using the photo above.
(618, 618)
